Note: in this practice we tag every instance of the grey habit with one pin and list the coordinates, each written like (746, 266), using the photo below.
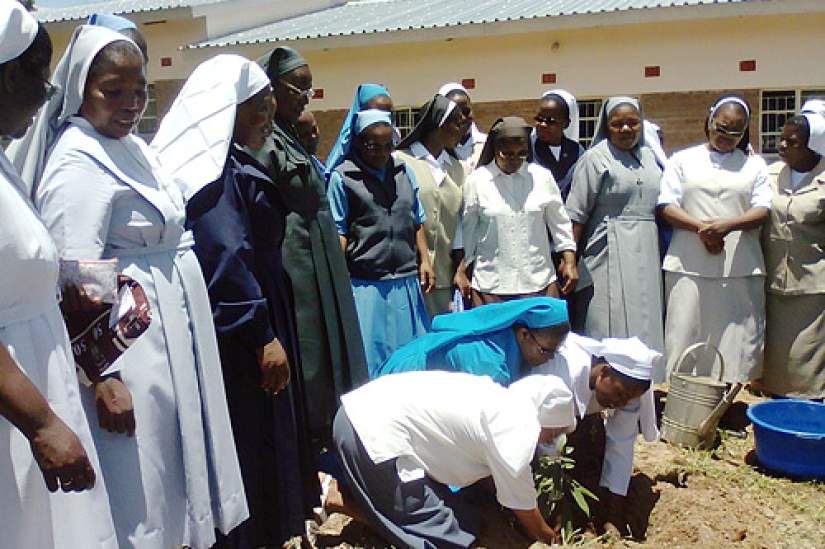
(614, 194)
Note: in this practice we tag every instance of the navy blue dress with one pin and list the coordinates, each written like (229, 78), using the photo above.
(238, 223)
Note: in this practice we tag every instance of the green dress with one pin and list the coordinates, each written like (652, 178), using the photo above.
(328, 335)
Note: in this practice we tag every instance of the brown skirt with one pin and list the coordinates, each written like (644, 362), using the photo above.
(795, 345)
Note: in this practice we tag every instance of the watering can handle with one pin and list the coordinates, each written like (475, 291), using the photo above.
(695, 346)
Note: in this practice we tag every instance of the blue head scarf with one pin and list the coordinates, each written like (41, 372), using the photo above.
(340, 150)
(112, 22)
(371, 117)
(451, 329)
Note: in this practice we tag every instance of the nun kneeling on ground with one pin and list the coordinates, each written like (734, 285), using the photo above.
(438, 430)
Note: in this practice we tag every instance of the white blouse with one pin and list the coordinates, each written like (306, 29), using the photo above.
(702, 159)
(456, 428)
(506, 222)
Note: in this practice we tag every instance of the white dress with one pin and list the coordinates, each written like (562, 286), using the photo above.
(716, 298)
(178, 479)
(32, 328)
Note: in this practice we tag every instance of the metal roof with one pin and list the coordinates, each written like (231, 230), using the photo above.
(120, 7)
(376, 16)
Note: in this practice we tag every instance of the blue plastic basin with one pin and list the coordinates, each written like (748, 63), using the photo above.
(790, 436)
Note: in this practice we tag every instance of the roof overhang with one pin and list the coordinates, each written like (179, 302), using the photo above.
(471, 29)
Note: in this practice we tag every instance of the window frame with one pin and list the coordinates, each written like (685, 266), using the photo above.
(150, 113)
(413, 114)
(585, 142)
(800, 96)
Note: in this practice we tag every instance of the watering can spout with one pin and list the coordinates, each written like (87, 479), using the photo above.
(710, 422)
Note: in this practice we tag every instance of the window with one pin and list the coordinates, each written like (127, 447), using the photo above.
(148, 125)
(405, 119)
(777, 107)
(588, 116)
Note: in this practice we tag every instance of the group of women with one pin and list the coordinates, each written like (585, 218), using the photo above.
(277, 284)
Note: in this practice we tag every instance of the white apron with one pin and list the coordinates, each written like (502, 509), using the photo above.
(32, 328)
(178, 479)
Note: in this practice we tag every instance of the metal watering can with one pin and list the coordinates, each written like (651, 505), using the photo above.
(696, 403)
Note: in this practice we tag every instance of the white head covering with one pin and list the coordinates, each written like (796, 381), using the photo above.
(608, 107)
(464, 151)
(18, 29)
(571, 131)
(512, 424)
(29, 153)
(550, 396)
(193, 140)
(814, 106)
(451, 87)
(730, 99)
(652, 140)
(816, 127)
(630, 357)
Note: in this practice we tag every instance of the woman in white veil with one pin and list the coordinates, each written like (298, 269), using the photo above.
(102, 196)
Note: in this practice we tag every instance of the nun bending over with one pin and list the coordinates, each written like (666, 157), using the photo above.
(612, 204)
(438, 430)
(501, 340)
(717, 196)
(164, 437)
(555, 136)
(512, 212)
(46, 439)
(330, 345)
(374, 201)
(238, 220)
(612, 374)
(429, 152)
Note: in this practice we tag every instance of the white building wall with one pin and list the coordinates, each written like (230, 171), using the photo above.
(693, 55)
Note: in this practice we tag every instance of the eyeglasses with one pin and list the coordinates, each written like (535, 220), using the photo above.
(549, 353)
(549, 121)
(309, 93)
(620, 125)
(512, 156)
(727, 133)
(378, 147)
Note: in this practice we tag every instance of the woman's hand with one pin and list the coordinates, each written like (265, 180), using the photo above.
(426, 276)
(462, 282)
(114, 406)
(712, 234)
(61, 458)
(569, 272)
(274, 367)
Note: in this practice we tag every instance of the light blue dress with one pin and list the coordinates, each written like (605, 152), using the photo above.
(391, 312)
(178, 478)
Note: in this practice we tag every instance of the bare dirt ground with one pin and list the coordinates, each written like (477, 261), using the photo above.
(677, 498)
